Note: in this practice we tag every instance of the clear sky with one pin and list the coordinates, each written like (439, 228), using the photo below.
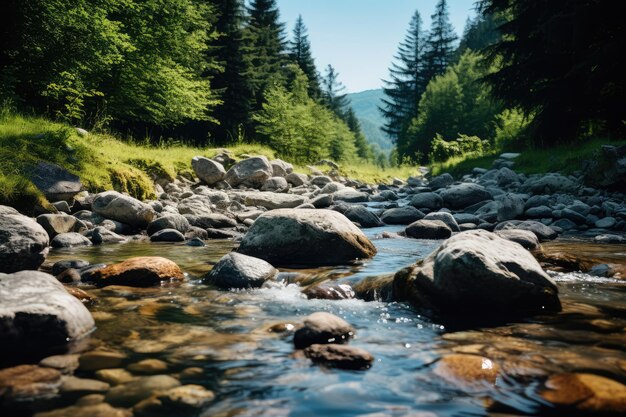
(360, 37)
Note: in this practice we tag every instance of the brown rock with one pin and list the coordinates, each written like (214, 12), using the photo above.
(92, 410)
(587, 393)
(148, 366)
(82, 295)
(340, 356)
(115, 376)
(323, 328)
(330, 291)
(67, 364)
(28, 382)
(143, 271)
(467, 371)
(100, 359)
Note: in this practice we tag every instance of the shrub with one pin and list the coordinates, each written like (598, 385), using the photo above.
(442, 150)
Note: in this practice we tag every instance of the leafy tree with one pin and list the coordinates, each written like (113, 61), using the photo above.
(300, 53)
(231, 83)
(333, 92)
(557, 61)
(454, 103)
(440, 46)
(265, 47)
(406, 85)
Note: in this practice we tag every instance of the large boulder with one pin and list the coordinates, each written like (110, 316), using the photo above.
(272, 201)
(55, 182)
(37, 314)
(70, 240)
(169, 221)
(428, 229)
(543, 232)
(305, 237)
(463, 195)
(23, 242)
(251, 172)
(363, 216)
(115, 206)
(209, 171)
(56, 224)
(235, 270)
(145, 271)
(441, 181)
(550, 184)
(477, 273)
(401, 215)
(431, 201)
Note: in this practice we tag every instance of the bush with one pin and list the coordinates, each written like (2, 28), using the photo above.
(511, 127)
(442, 150)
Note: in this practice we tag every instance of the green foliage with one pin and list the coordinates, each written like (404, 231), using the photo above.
(299, 128)
(300, 53)
(440, 45)
(453, 103)
(69, 97)
(511, 127)
(442, 150)
(557, 61)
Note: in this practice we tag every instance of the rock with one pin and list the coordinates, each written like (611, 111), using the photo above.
(610, 239)
(273, 201)
(167, 235)
(573, 216)
(305, 237)
(55, 182)
(607, 169)
(551, 184)
(186, 399)
(23, 242)
(100, 359)
(207, 170)
(428, 229)
(275, 184)
(363, 216)
(223, 234)
(461, 218)
(328, 163)
(441, 181)
(321, 180)
(148, 366)
(235, 270)
(510, 207)
(463, 195)
(251, 172)
(539, 212)
(509, 155)
(350, 195)
(100, 235)
(169, 221)
(114, 376)
(329, 291)
(55, 224)
(77, 387)
(445, 217)
(322, 201)
(506, 176)
(606, 223)
(526, 238)
(280, 168)
(401, 215)
(213, 220)
(196, 205)
(339, 356)
(70, 240)
(115, 206)
(430, 201)
(332, 187)
(468, 372)
(88, 410)
(131, 393)
(587, 393)
(145, 271)
(38, 315)
(28, 382)
(296, 179)
(478, 274)
(323, 328)
(543, 232)
(65, 364)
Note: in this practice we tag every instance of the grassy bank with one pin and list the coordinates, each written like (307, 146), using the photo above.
(104, 162)
(565, 159)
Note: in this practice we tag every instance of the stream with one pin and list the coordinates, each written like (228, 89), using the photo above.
(229, 343)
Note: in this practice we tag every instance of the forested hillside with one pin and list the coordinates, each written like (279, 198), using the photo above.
(366, 107)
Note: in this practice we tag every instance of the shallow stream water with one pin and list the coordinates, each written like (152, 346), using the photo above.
(255, 372)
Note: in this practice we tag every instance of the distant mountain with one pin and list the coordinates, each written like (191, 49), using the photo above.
(365, 105)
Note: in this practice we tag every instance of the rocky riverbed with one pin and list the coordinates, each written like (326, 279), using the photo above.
(255, 290)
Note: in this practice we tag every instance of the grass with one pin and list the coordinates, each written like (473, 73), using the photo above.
(104, 162)
(564, 158)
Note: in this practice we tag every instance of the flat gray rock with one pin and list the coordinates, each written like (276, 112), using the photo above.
(235, 270)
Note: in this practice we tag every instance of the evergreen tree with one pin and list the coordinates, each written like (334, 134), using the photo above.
(406, 85)
(363, 148)
(479, 33)
(300, 53)
(265, 47)
(557, 61)
(333, 92)
(231, 83)
(439, 51)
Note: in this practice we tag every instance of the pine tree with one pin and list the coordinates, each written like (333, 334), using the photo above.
(406, 85)
(265, 47)
(439, 51)
(300, 53)
(479, 33)
(232, 84)
(333, 93)
(363, 148)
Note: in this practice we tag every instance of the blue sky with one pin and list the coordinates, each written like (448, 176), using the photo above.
(360, 37)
